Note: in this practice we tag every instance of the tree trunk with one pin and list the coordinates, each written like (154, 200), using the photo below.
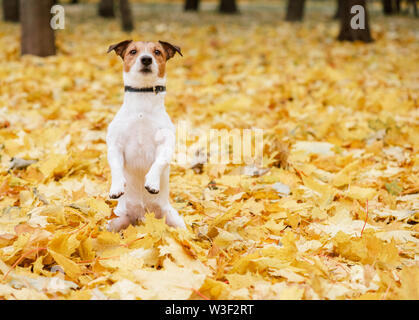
(415, 8)
(228, 6)
(338, 13)
(398, 6)
(37, 35)
(347, 33)
(295, 10)
(387, 7)
(106, 9)
(11, 10)
(191, 5)
(126, 15)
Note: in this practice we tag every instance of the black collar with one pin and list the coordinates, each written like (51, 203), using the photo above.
(155, 89)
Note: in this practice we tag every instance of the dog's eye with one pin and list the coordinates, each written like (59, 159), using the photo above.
(133, 52)
(157, 52)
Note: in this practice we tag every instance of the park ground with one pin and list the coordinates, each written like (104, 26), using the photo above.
(331, 214)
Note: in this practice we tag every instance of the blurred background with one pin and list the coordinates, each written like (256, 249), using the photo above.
(338, 107)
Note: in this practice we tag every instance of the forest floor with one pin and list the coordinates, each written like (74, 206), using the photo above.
(332, 213)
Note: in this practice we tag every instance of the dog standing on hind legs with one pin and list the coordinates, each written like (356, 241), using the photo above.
(141, 137)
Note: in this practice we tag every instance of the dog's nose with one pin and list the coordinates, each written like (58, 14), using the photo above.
(146, 60)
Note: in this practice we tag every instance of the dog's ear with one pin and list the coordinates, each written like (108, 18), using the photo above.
(170, 49)
(120, 47)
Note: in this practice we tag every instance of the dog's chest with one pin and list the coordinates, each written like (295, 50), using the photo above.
(139, 145)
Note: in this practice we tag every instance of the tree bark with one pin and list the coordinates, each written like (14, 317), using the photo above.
(347, 33)
(415, 8)
(11, 10)
(228, 6)
(106, 9)
(387, 7)
(397, 5)
(37, 35)
(126, 15)
(338, 13)
(295, 10)
(191, 5)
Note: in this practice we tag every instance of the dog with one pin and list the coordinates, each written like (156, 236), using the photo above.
(141, 137)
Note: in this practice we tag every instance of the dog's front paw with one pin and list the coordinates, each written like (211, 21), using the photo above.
(152, 190)
(117, 190)
(152, 185)
(118, 224)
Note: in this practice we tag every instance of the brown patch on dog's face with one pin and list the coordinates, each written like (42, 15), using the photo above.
(131, 54)
(159, 55)
(160, 51)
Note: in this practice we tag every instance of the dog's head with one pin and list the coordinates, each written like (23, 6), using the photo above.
(144, 62)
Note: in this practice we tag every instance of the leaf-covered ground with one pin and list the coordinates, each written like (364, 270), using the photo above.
(333, 214)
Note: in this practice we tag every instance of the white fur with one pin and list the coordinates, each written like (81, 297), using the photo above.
(141, 142)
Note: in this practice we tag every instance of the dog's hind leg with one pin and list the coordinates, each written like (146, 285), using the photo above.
(173, 218)
(119, 223)
(126, 216)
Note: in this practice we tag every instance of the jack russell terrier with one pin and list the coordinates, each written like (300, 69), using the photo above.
(141, 137)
